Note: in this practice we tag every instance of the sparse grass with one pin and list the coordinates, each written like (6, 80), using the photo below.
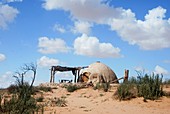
(101, 95)
(63, 97)
(40, 99)
(72, 88)
(98, 86)
(106, 86)
(68, 94)
(102, 86)
(54, 88)
(125, 91)
(45, 89)
(60, 102)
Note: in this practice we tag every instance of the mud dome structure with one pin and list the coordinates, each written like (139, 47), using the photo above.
(94, 73)
(98, 73)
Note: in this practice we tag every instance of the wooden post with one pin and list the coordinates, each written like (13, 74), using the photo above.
(78, 74)
(126, 75)
(75, 76)
(51, 75)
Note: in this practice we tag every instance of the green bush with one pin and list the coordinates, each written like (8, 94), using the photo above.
(148, 87)
(106, 86)
(98, 86)
(18, 104)
(12, 89)
(72, 88)
(40, 99)
(126, 91)
(102, 86)
(61, 102)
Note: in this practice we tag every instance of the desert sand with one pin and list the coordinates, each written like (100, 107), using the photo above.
(90, 101)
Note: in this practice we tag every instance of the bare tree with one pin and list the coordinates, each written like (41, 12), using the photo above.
(24, 88)
(31, 67)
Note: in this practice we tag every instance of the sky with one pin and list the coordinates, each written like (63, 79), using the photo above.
(123, 34)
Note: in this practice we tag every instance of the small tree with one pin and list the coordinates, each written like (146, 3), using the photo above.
(21, 102)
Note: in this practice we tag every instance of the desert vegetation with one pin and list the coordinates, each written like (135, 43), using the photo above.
(147, 86)
(20, 100)
(102, 86)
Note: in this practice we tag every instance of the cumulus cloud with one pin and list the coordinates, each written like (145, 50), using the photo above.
(85, 10)
(160, 70)
(149, 34)
(50, 46)
(82, 27)
(47, 62)
(2, 57)
(90, 46)
(59, 28)
(7, 15)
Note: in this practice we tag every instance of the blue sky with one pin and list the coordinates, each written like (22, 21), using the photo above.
(123, 34)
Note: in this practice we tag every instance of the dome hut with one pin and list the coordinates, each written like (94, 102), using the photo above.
(98, 73)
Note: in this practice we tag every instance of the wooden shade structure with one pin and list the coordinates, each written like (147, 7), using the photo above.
(75, 71)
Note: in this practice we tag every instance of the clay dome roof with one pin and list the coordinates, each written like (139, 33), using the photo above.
(100, 67)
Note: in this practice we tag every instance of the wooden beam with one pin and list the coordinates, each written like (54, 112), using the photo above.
(117, 79)
(126, 75)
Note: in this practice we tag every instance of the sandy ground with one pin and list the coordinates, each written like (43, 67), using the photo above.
(90, 101)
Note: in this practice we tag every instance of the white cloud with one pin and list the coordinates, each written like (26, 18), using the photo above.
(6, 79)
(7, 15)
(2, 57)
(85, 10)
(49, 46)
(82, 27)
(160, 70)
(152, 33)
(47, 62)
(59, 28)
(90, 46)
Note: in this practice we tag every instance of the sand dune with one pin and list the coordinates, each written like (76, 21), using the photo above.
(90, 101)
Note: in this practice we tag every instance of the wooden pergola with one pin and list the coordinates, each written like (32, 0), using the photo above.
(75, 71)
